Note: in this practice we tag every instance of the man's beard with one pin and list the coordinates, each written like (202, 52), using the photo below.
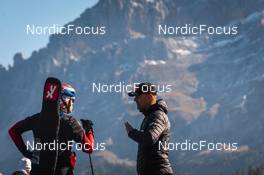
(139, 109)
(142, 110)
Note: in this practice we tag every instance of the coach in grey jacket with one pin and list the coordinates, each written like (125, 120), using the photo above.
(152, 158)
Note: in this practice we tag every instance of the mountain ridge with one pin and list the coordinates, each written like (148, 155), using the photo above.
(209, 94)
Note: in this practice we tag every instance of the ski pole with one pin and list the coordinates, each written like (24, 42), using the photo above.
(91, 164)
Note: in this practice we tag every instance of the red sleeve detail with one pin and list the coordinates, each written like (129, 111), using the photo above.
(15, 134)
(88, 142)
(73, 159)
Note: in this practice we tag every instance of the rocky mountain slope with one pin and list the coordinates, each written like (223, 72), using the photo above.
(217, 81)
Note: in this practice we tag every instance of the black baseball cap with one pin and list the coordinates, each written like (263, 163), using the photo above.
(143, 88)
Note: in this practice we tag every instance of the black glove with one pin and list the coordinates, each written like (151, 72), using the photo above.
(87, 125)
(28, 154)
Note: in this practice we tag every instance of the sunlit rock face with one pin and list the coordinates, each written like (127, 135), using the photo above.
(216, 81)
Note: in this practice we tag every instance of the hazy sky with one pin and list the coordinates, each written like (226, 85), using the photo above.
(16, 14)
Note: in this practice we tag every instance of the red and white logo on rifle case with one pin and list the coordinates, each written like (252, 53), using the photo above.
(51, 92)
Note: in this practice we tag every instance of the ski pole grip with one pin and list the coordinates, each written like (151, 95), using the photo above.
(87, 125)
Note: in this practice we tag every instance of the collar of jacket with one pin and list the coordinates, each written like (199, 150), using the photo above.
(152, 108)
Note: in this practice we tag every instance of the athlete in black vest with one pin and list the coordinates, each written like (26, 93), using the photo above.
(69, 130)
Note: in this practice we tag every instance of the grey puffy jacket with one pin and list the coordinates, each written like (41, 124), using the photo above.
(152, 158)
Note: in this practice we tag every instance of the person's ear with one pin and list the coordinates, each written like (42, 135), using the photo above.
(152, 98)
(148, 96)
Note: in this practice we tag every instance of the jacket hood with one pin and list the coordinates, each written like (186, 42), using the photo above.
(160, 105)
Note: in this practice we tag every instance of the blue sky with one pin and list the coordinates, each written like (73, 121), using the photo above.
(16, 14)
